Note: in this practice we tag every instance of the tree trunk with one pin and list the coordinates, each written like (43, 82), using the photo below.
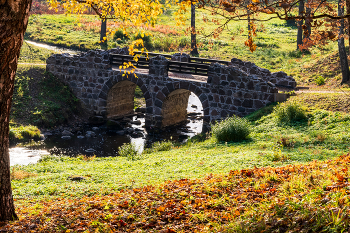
(103, 42)
(248, 19)
(194, 50)
(348, 13)
(307, 33)
(341, 46)
(13, 23)
(300, 24)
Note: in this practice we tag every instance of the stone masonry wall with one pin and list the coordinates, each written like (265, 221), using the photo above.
(174, 108)
(279, 78)
(229, 90)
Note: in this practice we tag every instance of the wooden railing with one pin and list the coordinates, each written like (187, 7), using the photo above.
(197, 66)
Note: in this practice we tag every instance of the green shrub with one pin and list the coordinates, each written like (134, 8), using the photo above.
(290, 111)
(120, 35)
(320, 81)
(231, 129)
(128, 150)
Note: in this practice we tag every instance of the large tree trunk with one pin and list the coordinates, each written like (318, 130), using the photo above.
(103, 34)
(13, 23)
(348, 13)
(300, 24)
(194, 50)
(341, 46)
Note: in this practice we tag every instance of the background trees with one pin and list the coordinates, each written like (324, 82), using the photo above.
(318, 21)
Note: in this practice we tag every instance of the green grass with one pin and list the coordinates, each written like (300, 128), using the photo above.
(324, 135)
(63, 31)
(23, 133)
(33, 54)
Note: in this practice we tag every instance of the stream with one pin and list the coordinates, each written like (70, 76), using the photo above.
(105, 141)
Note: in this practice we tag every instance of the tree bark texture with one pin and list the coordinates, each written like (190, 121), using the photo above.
(194, 50)
(13, 23)
(103, 34)
(307, 33)
(341, 46)
(300, 24)
(248, 20)
(348, 13)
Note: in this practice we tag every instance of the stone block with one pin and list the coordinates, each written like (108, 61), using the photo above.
(214, 113)
(241, 109)
(248, 103)
(160, 95)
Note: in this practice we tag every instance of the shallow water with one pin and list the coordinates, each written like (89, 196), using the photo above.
(106, 142)
(24, 156)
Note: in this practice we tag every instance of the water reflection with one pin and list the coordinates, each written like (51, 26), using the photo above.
(106, 141)
(24, 156)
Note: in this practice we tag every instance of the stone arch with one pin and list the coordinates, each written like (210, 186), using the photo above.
(118, 95)
(174, 107)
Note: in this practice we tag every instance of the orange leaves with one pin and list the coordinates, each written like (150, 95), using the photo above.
(268, 10)
(250, 44)
(161, 209)
(188, 205)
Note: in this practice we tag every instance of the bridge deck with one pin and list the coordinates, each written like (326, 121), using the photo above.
(191, 77)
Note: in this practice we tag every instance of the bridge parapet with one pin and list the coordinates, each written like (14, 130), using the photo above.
(158, 66)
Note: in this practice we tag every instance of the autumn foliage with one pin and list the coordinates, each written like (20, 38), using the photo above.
(312, 197)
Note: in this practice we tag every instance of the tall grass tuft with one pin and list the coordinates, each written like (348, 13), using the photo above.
(231, 129)
(159, 146)
(129, 151)
(289, 112)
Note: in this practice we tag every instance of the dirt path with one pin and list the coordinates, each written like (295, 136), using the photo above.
(32, 64)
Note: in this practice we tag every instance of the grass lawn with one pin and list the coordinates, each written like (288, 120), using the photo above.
(286, 177)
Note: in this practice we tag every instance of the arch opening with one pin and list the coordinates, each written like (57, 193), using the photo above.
(123, 98)
(178, 106)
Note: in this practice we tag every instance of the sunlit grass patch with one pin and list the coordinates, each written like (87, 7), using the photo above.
(20, 132)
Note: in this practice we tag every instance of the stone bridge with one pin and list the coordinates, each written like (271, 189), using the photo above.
(237, 89)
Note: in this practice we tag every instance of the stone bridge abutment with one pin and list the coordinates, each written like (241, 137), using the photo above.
(229, 90)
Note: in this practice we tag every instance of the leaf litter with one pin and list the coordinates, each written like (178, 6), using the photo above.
(312, 197)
